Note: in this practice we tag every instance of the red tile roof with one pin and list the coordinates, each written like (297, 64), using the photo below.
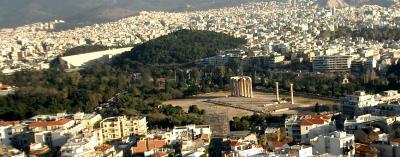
(397, 140)
(6, 123)
(362, 148)
(49, 123)
(103, 147)
(278, 144)
(146, 145)
(311, 121)
(234, 143)
(317, 119)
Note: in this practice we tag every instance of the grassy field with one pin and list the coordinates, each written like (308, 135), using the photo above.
(262, 102)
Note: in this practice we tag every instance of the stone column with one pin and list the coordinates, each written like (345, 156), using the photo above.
(240, 87)
(291, 93)
(248, 87)
(277, 92)
(251, 88)
(235, 88)
(231, 86)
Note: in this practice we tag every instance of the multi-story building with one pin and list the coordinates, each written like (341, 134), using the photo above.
(357, 104)
(219, 59)
(274, 60)
(79, 146)
(292, 126)
(117, 127)
(298, 151)
(190, 136)
(87, 120)
(389, 96)
(334, 63)
(215, 60)
(5, 135)
(336, 144)
(352, 125)
(189, 132)
(302, 128)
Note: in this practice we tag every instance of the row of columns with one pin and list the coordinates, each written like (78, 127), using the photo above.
(241, 86)
(277, 93)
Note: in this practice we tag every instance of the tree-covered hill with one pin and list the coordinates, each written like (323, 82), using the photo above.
(182, 46)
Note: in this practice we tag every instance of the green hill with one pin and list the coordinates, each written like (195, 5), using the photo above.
(179, 47)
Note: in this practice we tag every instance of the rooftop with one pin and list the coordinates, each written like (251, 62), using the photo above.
(103, 147)
(49, 123)
(146, 145)
(318, 119)
(7, 123)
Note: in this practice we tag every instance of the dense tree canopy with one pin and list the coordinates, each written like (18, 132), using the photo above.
(182, 46)
(49, 91)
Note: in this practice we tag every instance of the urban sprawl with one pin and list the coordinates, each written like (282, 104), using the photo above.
(273, 31)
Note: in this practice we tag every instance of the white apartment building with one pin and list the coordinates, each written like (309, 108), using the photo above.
(336, 144)
(357, 104)
(5, 135)
(79, 146)
(389, 96)
(299, 151)
(352, 125)
(117, 127)
(188, 134)
(302, 128)
(87, 120)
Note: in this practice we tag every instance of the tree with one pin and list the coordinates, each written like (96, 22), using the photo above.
(236, 65)
(195, 109)
(317, 108)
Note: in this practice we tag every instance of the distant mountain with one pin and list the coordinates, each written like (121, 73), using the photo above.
(345, 3)
(19, 12)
